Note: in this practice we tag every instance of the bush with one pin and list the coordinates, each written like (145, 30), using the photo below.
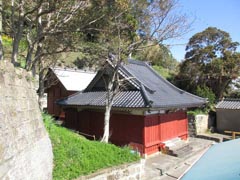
(206, 92)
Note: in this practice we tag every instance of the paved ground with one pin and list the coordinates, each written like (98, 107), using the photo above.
(165, 167)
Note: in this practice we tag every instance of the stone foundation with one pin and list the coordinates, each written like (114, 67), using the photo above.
(131, 171)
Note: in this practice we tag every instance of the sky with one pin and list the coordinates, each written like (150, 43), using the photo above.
(222, 14)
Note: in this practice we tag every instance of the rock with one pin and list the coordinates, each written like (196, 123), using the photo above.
(25, 148)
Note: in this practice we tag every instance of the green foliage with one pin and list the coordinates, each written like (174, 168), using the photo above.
(234, 94)
(206, 92)
(7, 41)
(163, 72)
(234, 89)
(7, 46)
(211, 60)
(75, 156)
(158, 55)
(197, 111)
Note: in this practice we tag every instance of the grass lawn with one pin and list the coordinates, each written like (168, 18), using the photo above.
(75, 156)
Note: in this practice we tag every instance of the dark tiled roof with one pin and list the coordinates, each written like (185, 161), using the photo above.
(129, 99)
(162, 93)
(228, 104)
(151, 90)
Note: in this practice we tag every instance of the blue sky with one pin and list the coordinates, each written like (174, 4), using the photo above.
(222, 14)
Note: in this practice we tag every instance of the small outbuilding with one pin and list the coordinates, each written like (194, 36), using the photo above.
(228, 115)
(146, 113)
(62, 83)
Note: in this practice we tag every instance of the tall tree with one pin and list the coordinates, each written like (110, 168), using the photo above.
(158, 22)
(46, 28)
(211, 60)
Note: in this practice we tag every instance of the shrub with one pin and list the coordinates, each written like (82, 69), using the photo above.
(206, 92)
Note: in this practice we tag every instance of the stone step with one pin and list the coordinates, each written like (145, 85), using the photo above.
(177, 145)
(172, 142)
(182, 152)
(178, 149)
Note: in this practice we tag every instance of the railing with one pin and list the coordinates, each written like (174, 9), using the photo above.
(93, 137)
(233, 133)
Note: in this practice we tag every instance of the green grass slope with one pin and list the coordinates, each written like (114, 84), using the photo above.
(75, 156)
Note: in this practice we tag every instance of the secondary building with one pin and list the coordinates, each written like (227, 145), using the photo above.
(228, 114)
(62, 83)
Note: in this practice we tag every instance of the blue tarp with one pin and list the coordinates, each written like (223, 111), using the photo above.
(221, 162)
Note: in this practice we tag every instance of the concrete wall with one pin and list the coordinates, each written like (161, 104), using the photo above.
(228, 119)
(25, 148)
(131, 171)
(201, 122)
(197, 124)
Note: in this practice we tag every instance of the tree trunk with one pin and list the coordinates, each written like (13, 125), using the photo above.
(109, 102)
(16, 41)
(1, 48)
(1, 44)
(17, 31)
(29, 52)
(222, 87)
(41, 88)
(29, 58)
(105, 137)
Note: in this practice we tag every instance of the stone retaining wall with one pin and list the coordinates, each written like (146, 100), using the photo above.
(191, 126)
(25, 148)
(197, 124)
(131, 171)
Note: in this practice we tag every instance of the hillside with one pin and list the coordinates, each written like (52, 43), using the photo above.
(75, 156)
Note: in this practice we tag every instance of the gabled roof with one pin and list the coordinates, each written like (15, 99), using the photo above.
(160, 91)
(73, 80)
(151, 91)
(228, 104)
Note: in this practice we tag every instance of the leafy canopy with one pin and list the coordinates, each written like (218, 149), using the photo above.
(211, 60)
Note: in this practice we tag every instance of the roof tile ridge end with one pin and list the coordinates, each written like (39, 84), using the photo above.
(136, 79)
(145, 96)
(129, 75)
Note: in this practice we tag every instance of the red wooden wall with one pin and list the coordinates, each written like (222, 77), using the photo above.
(163, 127)
(144, 133)
(124, 129)
(55, 93)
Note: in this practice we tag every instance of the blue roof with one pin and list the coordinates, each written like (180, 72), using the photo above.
(221, 162)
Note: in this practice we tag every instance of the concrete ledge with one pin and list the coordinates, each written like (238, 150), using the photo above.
(214, 137)
(133, 171)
